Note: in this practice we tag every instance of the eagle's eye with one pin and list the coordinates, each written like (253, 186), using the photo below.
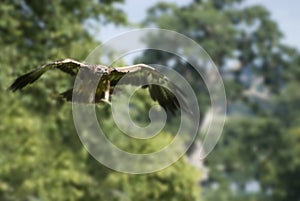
(99, 71)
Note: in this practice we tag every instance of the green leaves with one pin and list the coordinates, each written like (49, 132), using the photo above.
(245, 43)
(41, 156)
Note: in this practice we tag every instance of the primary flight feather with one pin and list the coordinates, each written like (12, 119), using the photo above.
(167, 94)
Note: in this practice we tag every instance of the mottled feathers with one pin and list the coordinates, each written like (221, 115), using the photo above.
(167, 94)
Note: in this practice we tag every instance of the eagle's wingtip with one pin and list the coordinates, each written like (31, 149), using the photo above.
(10, 88)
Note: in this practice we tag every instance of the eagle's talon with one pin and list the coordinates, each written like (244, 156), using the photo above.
(105, 101)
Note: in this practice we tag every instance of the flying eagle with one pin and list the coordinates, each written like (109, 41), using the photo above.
(164, 92)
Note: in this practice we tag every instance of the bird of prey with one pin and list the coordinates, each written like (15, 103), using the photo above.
(167, 94)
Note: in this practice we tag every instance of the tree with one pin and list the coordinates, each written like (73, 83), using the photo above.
(231, 34)
(41, 154)
(35, 31)
(245, 43)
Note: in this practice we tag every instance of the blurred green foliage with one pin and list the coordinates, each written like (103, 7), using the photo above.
(41, 156)
(257, 156)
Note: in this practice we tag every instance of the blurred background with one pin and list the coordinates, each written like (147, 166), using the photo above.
(255, 45)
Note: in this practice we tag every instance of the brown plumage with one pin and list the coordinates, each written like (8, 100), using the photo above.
(137, 75)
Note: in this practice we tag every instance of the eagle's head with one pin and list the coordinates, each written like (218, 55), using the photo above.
(100, 70)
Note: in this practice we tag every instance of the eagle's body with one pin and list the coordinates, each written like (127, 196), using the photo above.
(163, 91)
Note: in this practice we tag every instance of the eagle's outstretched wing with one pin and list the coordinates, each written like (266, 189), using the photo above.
(167, 94)
(66, 65)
